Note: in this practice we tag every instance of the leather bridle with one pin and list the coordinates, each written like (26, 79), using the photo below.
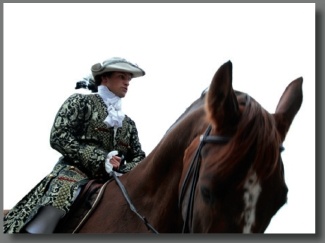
(192, 175)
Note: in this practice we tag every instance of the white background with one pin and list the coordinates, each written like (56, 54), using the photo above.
(49, 47)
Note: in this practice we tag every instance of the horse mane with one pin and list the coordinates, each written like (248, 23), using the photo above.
(252, 142)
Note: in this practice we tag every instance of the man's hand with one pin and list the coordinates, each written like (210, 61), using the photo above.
(115, 161)
(112, 161)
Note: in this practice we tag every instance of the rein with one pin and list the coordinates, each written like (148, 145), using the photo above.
(194, 169)
(193, 173)
(132, 207)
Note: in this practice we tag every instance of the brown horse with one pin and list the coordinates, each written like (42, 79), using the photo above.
(218, 169)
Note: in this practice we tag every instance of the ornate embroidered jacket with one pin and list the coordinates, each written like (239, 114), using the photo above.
(84, 141)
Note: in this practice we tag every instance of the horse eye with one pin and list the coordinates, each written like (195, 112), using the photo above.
(205, 192)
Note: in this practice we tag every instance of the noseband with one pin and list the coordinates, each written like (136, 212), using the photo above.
(193, 173)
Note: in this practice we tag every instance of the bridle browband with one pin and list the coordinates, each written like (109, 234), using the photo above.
(193, 173)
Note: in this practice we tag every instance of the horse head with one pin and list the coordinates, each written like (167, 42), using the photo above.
(233, 177)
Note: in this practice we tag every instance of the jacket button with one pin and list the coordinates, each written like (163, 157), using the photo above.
(51, 175)
(71, 167)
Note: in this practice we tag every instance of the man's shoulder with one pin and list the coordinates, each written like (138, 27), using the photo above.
(129, 120)
(81, 96)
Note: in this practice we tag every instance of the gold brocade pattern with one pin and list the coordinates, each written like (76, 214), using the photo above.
(84, 140)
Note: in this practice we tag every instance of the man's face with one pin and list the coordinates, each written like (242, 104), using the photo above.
(118, 83)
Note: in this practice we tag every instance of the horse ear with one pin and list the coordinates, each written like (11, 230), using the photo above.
(221, 104)
(288, 106)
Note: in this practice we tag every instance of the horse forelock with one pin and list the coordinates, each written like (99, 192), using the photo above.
(254, 145)
(264, 138)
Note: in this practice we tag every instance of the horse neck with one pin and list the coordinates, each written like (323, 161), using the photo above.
(158, 176)
(167, 157)
(155, 181)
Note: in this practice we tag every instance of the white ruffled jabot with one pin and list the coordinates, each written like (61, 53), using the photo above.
(113, 102)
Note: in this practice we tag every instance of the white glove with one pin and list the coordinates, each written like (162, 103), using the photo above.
(108, 165)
